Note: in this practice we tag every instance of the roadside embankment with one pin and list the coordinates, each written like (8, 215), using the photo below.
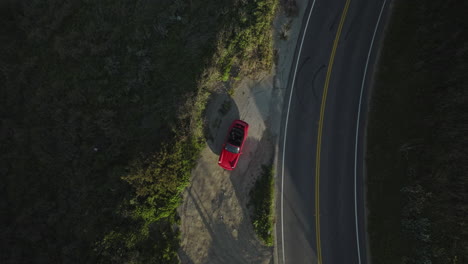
(417, 147)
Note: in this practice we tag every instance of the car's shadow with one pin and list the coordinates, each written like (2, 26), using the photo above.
(219, 114)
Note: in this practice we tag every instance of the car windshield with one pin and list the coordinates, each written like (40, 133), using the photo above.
(232, 148)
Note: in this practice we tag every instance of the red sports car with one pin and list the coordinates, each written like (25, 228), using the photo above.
(233, 144)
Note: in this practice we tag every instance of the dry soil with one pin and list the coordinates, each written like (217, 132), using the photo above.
(215, 221)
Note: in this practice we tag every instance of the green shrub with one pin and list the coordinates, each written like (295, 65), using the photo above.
(261, 202)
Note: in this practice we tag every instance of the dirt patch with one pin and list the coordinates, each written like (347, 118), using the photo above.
(215, 226)
(215, 222)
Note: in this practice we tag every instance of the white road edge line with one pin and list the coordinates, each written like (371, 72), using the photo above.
(286, 129)
(357, 130)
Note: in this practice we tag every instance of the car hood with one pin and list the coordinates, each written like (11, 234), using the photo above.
(228, 160)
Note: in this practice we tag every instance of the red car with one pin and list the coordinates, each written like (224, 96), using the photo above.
(233, 144)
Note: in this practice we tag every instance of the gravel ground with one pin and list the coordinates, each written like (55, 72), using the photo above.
(215, 221)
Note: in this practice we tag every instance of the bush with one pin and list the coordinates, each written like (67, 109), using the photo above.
(261, 202)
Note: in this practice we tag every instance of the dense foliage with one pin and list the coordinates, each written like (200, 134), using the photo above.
(261, 203)
(101, 105)
(418, 147)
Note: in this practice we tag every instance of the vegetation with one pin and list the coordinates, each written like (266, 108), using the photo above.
(417, 147)
(248, 38)
(101, 108)
(261, 203)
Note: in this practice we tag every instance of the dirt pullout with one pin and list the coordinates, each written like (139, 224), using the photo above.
(215, 221)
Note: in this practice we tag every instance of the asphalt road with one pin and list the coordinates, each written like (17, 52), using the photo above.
(322, 217)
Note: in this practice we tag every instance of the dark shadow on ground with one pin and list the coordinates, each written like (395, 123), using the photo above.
(255, 154)
(219, 114)
(184, 258)
(229, 244)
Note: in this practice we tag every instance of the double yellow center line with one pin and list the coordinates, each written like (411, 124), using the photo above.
(319, 134)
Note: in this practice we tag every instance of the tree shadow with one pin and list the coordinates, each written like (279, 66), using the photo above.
(219, 114)
(232, 237)
(183, 257)
(256, 153)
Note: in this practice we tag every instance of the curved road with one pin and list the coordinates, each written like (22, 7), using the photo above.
(321, 215)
